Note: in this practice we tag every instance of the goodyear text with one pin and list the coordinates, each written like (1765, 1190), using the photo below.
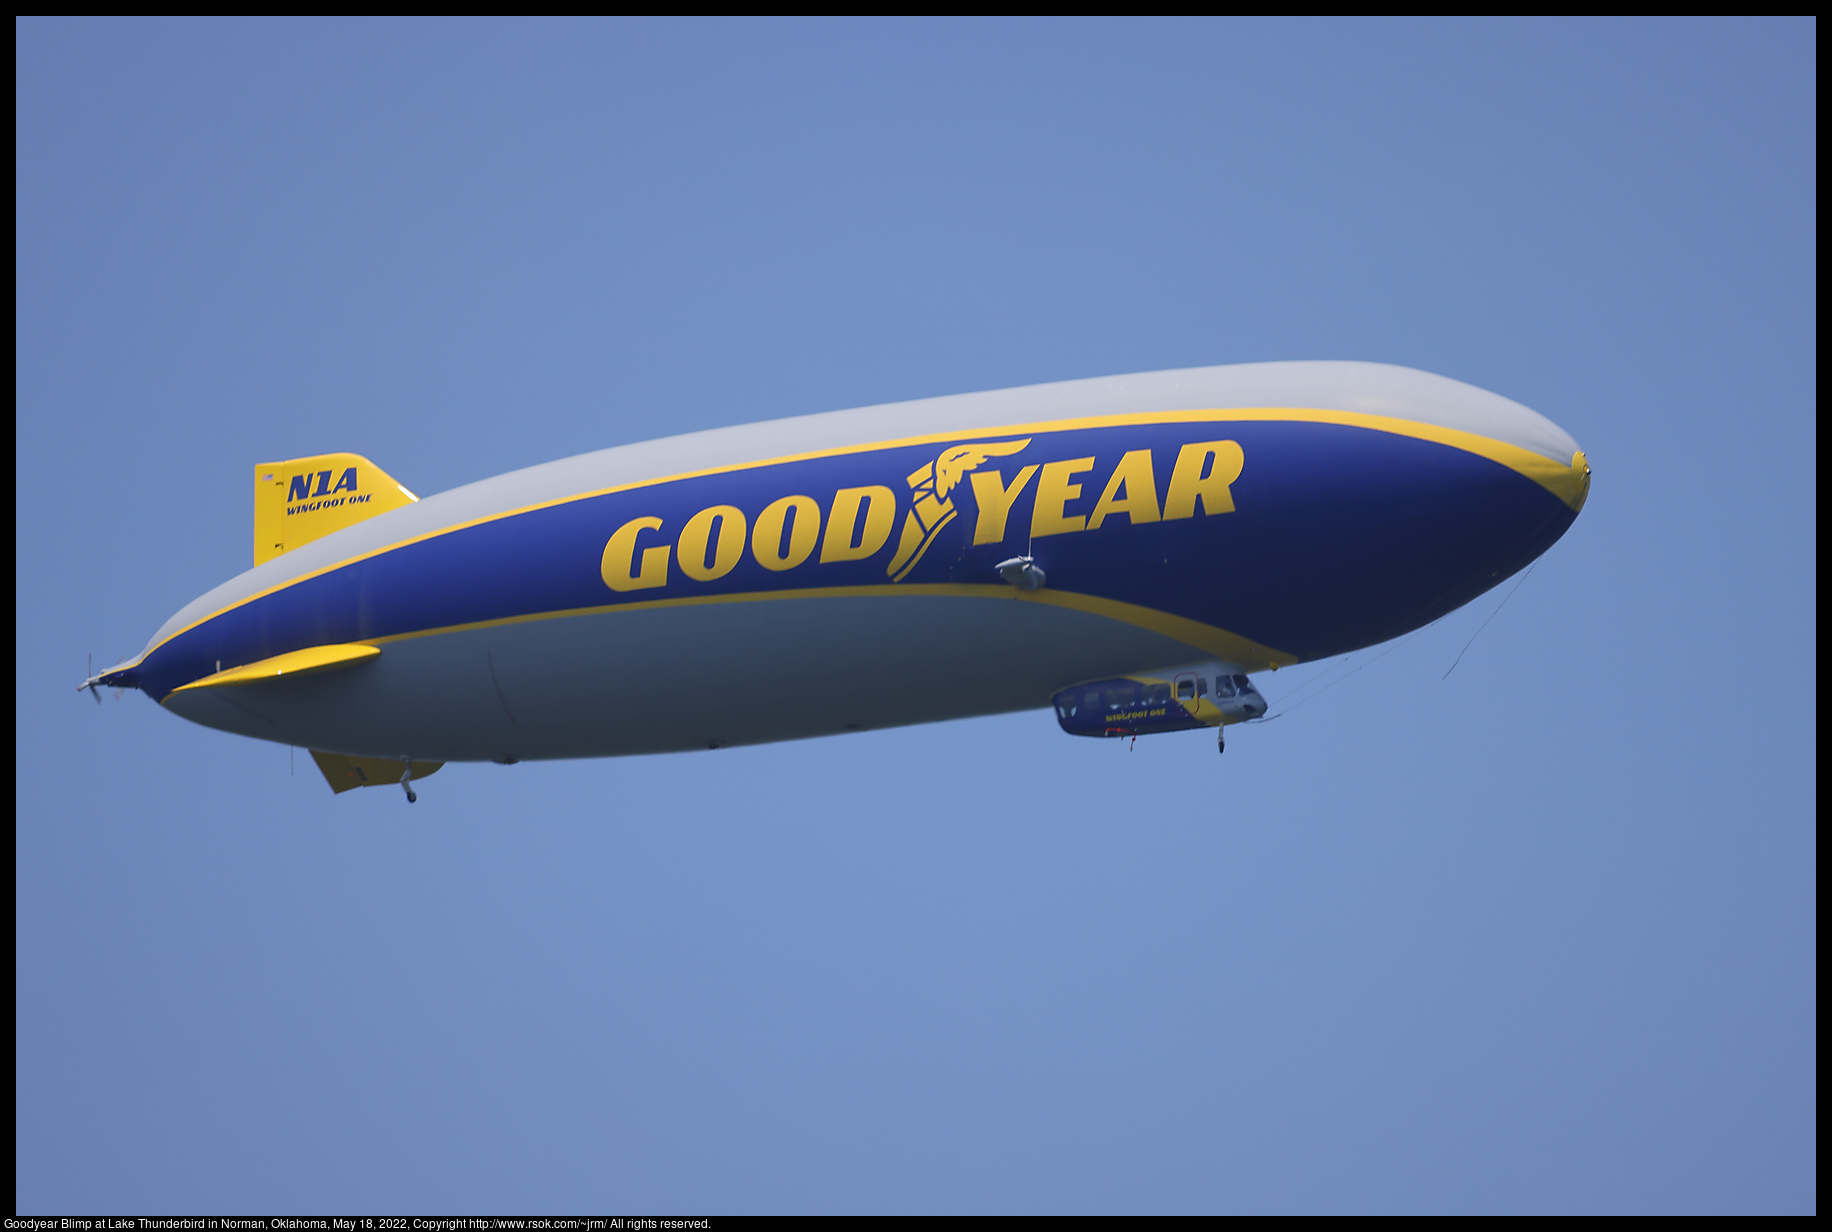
(1066, 496)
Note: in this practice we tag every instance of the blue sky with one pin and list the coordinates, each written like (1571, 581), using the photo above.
(1536, 937)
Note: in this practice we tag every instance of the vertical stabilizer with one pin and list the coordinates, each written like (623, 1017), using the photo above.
(307, 498)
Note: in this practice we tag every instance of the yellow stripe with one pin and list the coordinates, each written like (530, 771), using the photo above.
(1218, 642)
(1569, 483)
(293, 663)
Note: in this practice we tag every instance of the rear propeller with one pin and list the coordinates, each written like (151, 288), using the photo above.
(93, 683)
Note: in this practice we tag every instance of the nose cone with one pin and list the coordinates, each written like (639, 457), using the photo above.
(1580, 482)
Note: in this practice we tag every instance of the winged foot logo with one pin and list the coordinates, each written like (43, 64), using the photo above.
(930, 506)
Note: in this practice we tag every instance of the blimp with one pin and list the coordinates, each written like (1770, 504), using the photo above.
(1129, 552)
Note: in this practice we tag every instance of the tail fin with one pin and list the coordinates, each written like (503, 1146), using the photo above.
(347, 773)
(307, 498)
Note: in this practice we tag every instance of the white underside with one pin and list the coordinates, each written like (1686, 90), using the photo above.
(678, 678)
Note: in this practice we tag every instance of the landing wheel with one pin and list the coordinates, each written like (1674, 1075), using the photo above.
(1221, 740)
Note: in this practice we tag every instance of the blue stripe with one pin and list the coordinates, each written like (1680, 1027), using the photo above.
(1342, 537)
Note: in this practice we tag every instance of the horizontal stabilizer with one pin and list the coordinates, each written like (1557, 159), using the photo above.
(294, 663)
(307, 498)
(347, 773)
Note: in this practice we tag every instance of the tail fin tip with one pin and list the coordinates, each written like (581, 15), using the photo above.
(303, 499)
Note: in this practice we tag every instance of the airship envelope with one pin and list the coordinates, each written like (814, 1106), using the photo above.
(1130, 550)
